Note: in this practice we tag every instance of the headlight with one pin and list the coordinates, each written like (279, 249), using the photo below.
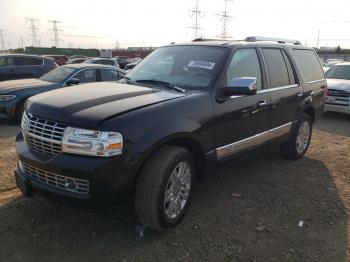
(4, 98)
(92, 143)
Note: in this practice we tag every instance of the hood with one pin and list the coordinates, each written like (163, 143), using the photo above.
(89, 105)
(339, 84)
(11, 86)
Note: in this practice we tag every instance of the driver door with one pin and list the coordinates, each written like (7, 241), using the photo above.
(242, 122)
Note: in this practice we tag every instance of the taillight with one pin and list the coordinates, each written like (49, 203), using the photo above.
(326, 90)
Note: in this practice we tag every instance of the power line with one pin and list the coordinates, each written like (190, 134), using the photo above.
(225, 17)
(2, 41)
(56, 30)
(34, 29)
(196, 13)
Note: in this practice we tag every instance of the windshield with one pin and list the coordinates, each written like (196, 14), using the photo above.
(339, 72)
(183, 66)
(58, 75)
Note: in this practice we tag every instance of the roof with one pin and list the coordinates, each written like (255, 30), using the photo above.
(253, 40)
(343, 63)
(83, 65)
(25, 55)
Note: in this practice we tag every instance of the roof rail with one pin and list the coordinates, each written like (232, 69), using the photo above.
(212, 39)
(272, 39)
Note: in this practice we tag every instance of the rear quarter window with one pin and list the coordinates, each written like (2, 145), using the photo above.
(309, 64)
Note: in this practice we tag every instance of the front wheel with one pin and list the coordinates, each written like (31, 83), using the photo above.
(298, 143)
(164, 188)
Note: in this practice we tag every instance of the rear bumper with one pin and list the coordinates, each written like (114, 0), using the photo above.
(335, 108)
(110, 180)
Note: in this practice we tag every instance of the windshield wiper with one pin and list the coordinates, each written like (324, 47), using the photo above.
(163, 83)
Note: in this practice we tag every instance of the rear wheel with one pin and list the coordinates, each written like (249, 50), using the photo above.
(297, 145)
(164, 188)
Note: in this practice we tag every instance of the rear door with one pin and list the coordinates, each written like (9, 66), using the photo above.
(284, 88)
(28, 67)
(242, 122)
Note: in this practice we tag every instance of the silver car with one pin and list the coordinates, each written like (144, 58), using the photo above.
(338, 81)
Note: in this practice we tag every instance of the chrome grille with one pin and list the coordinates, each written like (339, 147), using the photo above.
(70, 184)
(338, 98)
(42, 136)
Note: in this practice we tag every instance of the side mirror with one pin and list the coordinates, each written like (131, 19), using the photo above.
(241, 86)
(73, 81)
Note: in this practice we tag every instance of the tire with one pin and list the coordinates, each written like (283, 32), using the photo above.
(158, 178)
(298, 143)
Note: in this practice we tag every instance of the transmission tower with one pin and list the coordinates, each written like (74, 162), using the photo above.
(34, 29)
(2, 41)
(196, 13)
(225, 17)
(56, 30)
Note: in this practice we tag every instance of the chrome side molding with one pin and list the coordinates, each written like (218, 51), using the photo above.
(252, 141)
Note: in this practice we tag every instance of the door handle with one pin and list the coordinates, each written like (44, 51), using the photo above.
(300, 95)
(262, 103)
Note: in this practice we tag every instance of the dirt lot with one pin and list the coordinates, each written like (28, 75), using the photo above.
(260, 225)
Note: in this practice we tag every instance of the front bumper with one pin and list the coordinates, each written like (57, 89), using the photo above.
(336, 108)
(8, 109)
(110, 180)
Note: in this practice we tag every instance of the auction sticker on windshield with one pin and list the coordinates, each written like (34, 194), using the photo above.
(201, 64)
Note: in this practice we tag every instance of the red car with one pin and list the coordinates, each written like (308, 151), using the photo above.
(59, 59)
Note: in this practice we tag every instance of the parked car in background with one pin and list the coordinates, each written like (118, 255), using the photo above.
(59, 59)
(122, 61)
(18, 66)
(132, 64)
(101, 61)
(13, 94)
(77, 60)
(338, 81)
(183, 111)
(331, 62)
(77, 56)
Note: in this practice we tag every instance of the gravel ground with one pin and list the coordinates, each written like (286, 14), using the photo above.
(248, 212)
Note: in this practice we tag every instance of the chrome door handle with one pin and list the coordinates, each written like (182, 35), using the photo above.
(300, 95)
(262, 103)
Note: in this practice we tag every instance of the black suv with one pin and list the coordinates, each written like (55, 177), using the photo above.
(185, 109)
(18, 66)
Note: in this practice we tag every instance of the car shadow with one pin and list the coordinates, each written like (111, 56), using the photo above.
(247, 212)
(334, 123)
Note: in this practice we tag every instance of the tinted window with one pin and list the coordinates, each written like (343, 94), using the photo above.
(58, 75)
(109, 75)
(276, 67)
(339, 72)
(245, 63)
(309, 64)
(86, 76)
(25, 61)
(7, 61)
(184, 66)
(291, 72)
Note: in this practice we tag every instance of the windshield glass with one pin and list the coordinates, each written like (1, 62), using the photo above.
(339, 72)
(58, 75)
(183, 66)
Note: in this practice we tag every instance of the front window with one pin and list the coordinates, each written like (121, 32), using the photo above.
(58, 75)
(339, 72)
(183, 66)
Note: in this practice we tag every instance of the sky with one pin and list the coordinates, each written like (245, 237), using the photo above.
(109, 23)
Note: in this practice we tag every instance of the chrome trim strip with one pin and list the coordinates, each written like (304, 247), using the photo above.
(316, 81)
(252, 141)
(277, 88)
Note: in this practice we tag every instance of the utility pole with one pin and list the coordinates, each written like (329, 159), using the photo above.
(225, 17)
(196, 13)
(318, 38)
(34, 29)
(56, 30)
(21, 39)
(2, 41)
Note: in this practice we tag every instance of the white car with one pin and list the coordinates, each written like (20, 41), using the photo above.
(338, 82)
